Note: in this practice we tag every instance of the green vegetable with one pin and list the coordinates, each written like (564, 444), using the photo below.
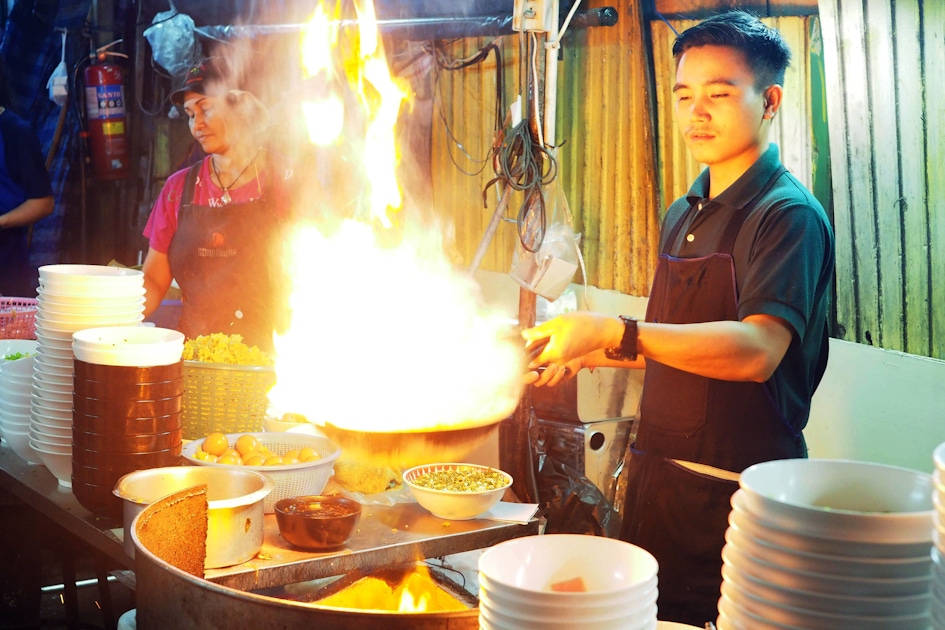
(15, 356)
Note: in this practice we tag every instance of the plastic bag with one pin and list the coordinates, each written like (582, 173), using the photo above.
(58, 84)
(549, 270)
(173, 45)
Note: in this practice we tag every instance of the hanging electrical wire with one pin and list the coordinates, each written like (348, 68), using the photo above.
(445, 62)
(524, 163)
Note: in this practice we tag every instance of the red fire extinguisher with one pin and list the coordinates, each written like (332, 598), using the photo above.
(107, 127)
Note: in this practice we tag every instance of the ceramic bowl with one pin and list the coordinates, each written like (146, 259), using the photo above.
(457, 491)
(317, 522)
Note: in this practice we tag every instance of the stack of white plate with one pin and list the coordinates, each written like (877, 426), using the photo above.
(567, 581)
(938, 536)
(72, 298)
(825, 544)
(16, 379)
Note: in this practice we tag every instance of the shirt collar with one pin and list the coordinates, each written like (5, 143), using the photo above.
(743, 190)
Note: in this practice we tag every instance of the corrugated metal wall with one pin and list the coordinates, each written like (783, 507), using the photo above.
(887, 139)
(606, 161)
(881, 80)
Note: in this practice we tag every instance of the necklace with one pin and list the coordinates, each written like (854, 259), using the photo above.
(226, 198)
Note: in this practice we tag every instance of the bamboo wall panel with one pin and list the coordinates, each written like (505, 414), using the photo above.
(606, 156)
(887, 138)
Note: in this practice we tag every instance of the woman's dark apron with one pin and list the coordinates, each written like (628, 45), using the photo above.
(224, 261)
(678, 515)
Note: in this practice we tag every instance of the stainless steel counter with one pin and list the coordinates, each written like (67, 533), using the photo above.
(386, 535)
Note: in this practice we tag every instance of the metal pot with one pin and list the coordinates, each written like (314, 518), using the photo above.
(235, 498)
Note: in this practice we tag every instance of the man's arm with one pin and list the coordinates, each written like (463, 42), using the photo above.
(27, 213)
(747, 350)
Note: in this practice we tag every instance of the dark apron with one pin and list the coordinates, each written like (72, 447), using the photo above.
(678, 515)
(224, 260)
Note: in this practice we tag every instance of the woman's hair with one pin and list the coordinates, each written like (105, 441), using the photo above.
(764, 49)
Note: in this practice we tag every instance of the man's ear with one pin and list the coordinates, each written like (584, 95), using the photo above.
(773, 96)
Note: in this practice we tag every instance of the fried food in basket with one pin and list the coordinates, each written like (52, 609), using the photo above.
(228, 349)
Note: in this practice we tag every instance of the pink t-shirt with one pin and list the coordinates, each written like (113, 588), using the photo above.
(162, 224)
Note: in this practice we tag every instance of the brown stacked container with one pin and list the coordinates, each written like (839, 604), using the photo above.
(125, 418)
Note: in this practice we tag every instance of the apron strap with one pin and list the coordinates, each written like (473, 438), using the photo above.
(190, 183)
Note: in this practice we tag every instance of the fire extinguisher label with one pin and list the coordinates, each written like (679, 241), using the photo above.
(113, 128)
(105, 101)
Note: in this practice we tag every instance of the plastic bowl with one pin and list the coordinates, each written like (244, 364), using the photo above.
(826, 584)
(794, 616)
(823, 602)
(766, 531)
(58, 462)
(317, 522)
(528, 567)
(842, 500)
(11, 346)
(135, 346)
(829, 564)
(291, 480)
(457, 505)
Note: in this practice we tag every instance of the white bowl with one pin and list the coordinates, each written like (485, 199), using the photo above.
(22, 366)
(58, 463)
(11, 346)
(17, 381)
(813, 582)
(58, 309)
(829, 564)
(792, 539)
(840, 499)
(135, 346)
(81, 322)
(19, 442)
(502, 599)
(15, 398)
(459, 505)
(529, 566)
(44, 432)
(814, 620)
(81, 297)
(89, 277)
(938, 456)
(837, 604)
(49, 405)
(644, 619)
(52, 444)
(733, 617)
(39, 416)
(52, 397)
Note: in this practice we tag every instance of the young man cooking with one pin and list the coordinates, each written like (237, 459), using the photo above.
(734, 341)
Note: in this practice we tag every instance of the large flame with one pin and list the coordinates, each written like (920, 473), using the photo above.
(386, 334)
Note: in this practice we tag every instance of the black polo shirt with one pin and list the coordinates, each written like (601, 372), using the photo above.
(784, 264)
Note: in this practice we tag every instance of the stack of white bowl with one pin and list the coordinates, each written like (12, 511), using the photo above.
(16, 379)
(617, 584)
(825, 544)
(938, 536)
(72, 298)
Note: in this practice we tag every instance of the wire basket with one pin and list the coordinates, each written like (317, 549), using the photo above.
(225, 398)
(17, 318)
(291, 480)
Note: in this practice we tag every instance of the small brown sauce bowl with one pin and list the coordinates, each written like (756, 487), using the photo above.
(317, 522)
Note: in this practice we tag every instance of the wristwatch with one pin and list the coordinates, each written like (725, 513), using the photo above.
(627, 350)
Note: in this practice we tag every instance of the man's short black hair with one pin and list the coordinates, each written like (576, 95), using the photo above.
(765, 50)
